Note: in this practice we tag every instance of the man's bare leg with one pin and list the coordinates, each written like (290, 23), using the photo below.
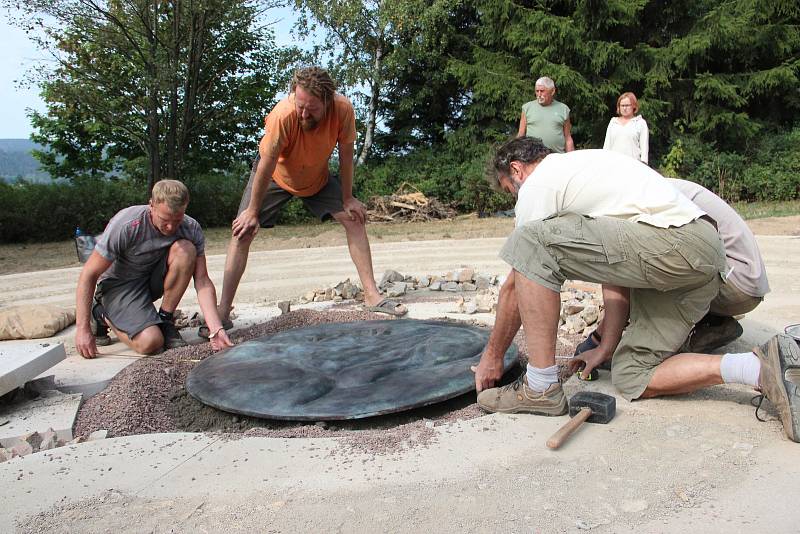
(235, 264)
(148, 341)
(358, 244)
(684, 373)
(539, 308)
(180, 268)
(506, 325)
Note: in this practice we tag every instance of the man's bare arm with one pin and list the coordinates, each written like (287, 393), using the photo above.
(87, 282)
(523, 125)
(247, 221)
(207, 298)
(569, 145)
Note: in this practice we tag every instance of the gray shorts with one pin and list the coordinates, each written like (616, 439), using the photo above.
(129, 303)
(323, 204)
(673, 273)
(733, 301)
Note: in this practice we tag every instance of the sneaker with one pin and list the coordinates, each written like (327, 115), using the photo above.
(517, 397)
(98, 325)
(172, 338)
(712, 332)
(203, 332)
(780, 362)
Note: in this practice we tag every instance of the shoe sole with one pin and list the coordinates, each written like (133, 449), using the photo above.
(102, 341)
(733, 332)
(530, 411)
(783, 379)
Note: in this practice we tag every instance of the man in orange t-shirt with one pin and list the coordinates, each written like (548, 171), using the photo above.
(300, 135)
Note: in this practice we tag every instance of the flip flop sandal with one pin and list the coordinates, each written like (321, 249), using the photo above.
(386, 306)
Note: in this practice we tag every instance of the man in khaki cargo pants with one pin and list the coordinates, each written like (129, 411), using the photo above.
(601, 217)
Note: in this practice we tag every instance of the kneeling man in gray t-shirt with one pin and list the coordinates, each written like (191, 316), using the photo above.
(145, 253)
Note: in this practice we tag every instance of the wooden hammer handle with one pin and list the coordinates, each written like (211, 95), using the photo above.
(569, 427)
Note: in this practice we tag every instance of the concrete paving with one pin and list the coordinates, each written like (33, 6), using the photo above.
(700, 462)
(22, 361)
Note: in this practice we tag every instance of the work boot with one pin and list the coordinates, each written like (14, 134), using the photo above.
(172, 338)
(712, 332)
(97, 323)
(517, 397)
(779, 378)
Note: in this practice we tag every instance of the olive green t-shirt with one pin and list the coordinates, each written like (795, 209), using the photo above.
(547, 123)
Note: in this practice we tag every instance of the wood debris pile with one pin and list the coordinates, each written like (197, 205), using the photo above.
(407, 204)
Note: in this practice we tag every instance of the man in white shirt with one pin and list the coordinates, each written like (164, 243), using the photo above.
(602, 217)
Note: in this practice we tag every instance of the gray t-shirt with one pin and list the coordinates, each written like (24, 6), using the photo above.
(135, 246)
(741, 249)
(547, 123)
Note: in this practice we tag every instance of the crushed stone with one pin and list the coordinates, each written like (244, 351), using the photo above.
(149, 397)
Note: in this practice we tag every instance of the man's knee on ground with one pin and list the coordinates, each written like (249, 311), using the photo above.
(182, 253)
(148, 341)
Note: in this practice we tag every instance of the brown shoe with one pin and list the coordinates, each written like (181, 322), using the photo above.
(780, 362)
(517, 397)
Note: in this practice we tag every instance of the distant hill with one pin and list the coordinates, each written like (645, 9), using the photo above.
(17, 161)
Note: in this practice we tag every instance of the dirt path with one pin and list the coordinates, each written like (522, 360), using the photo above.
(23, 258)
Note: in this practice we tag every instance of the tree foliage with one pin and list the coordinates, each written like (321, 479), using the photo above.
(153, 87)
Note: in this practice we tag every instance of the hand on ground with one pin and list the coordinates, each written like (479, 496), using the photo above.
(221, 341)
(85, 343)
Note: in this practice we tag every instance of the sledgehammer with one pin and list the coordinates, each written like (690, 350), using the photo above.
(585, 406)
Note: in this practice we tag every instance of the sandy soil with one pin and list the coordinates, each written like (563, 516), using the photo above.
(21, 258)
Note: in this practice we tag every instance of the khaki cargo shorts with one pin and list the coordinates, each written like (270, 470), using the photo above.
(673, 274)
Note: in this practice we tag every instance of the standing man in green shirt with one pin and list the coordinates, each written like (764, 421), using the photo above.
(547, 119)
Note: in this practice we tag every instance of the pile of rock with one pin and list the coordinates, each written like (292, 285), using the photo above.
(580, 310)
(581, 304)
(37, 442)
(346, 290)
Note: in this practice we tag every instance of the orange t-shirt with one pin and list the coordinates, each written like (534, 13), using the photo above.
(302, 167)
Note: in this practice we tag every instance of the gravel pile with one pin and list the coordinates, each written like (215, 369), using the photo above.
(148, 396)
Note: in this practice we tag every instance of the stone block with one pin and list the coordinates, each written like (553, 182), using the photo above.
(464, 275)
(470, 307)
(285, 306)
(590, 314)
(450, 286)
(482, 281)
(397, 289)
(49, 440)
(21, 449)
(574, 324)
(424, 281)
(52, 410)
(34, 439)
(389, 277)
(435, 286)
(5, 455)
(469, 286)
(97, 435)
(24, 361)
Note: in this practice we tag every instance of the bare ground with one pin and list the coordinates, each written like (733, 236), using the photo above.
(28, 257)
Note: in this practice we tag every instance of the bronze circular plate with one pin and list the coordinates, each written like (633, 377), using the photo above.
(343, 370)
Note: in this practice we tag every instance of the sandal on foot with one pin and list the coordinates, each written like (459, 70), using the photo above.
(387, 306)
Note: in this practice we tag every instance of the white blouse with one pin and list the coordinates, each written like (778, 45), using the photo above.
(631, 139)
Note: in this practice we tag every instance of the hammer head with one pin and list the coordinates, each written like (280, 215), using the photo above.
(604, 407)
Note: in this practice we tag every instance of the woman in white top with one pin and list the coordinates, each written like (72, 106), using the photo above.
(627, 133)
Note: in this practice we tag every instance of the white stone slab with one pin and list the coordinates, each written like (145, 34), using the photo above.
(52, 409)
(24, 361)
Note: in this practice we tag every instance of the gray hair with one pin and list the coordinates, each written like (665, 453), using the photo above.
(548, 83)
(522, 149)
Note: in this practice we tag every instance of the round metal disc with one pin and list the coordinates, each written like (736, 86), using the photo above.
(343, 370)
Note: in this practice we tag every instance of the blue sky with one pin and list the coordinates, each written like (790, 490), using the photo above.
(18, 55)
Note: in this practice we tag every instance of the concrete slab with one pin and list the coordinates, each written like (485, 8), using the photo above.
(52, 409)
(24, 361)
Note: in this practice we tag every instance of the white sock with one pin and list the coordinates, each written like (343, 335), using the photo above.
(741, 368)
(541, 379)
